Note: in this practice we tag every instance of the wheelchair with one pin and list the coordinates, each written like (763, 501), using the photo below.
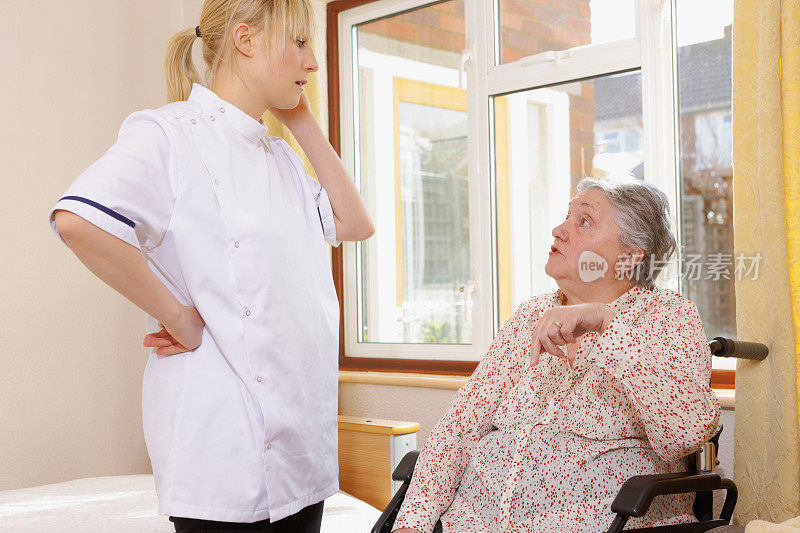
(637, 493)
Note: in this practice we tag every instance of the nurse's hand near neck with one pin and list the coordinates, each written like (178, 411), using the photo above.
(294, 118)
(353, 222)
(271, 81)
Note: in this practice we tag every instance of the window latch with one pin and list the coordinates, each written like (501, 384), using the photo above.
(466, 57)
(557, 57)
(468, 289)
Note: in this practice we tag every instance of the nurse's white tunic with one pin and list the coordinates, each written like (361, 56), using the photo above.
(243, 427)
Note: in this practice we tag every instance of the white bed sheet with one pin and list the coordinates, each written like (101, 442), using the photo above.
(128, 503)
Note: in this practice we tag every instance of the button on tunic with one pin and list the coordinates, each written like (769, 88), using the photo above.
(546, 448)
(244, 427)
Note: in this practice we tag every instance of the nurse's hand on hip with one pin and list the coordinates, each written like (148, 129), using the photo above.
(181, 336)
(292, 117)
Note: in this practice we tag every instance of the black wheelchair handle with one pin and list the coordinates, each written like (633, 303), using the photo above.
(722, 347)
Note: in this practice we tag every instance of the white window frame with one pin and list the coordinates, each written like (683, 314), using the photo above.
(651, 50)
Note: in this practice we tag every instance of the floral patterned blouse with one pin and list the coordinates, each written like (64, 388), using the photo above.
(545, 448)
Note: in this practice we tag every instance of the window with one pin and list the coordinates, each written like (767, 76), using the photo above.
(556, 135)
(706, 176)
(467, 124)
(431, 219)
(528, 28)
(413, 285)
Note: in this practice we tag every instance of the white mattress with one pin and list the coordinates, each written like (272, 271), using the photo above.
(128, 503)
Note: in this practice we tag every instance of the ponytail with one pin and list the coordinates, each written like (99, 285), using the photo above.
(178, 66)
(217, 18)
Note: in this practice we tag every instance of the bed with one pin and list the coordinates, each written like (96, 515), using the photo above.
(128, 503)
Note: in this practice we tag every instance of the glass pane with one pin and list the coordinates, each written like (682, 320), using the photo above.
(704, 83)
(412, 116)
(546, 140)
(529, 27)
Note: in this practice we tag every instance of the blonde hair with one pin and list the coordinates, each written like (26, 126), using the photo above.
(217, 20)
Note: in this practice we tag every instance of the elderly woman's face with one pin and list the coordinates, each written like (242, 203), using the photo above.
(586, 247)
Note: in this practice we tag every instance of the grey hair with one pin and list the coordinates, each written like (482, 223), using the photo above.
(641, 211)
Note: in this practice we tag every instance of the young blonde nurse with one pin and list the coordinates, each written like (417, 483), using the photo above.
(214, 229)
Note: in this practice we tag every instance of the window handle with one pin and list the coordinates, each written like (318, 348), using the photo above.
(468, 289)
(406, 319)
(466, 57)
(559, 58)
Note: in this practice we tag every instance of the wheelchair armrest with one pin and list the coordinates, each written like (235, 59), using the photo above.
(637, 493)
(405, 469)
(403, 473)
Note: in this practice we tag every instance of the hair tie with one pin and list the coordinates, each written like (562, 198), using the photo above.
(197, 31)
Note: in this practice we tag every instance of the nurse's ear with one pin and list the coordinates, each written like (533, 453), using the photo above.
(244, 39)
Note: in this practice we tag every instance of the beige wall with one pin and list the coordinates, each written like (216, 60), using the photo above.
(410, 404)
(71, 347)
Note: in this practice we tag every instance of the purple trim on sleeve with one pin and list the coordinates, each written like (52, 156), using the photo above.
(102, 208)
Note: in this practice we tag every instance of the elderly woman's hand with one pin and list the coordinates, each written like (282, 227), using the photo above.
(564, 325)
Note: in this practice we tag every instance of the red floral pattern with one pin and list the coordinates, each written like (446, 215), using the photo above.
(546, 448)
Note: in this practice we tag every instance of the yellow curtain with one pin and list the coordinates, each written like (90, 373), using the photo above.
(766, 122)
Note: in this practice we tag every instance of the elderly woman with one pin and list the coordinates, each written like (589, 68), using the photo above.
(606, 378)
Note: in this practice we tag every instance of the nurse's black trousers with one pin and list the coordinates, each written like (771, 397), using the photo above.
(307, 520)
